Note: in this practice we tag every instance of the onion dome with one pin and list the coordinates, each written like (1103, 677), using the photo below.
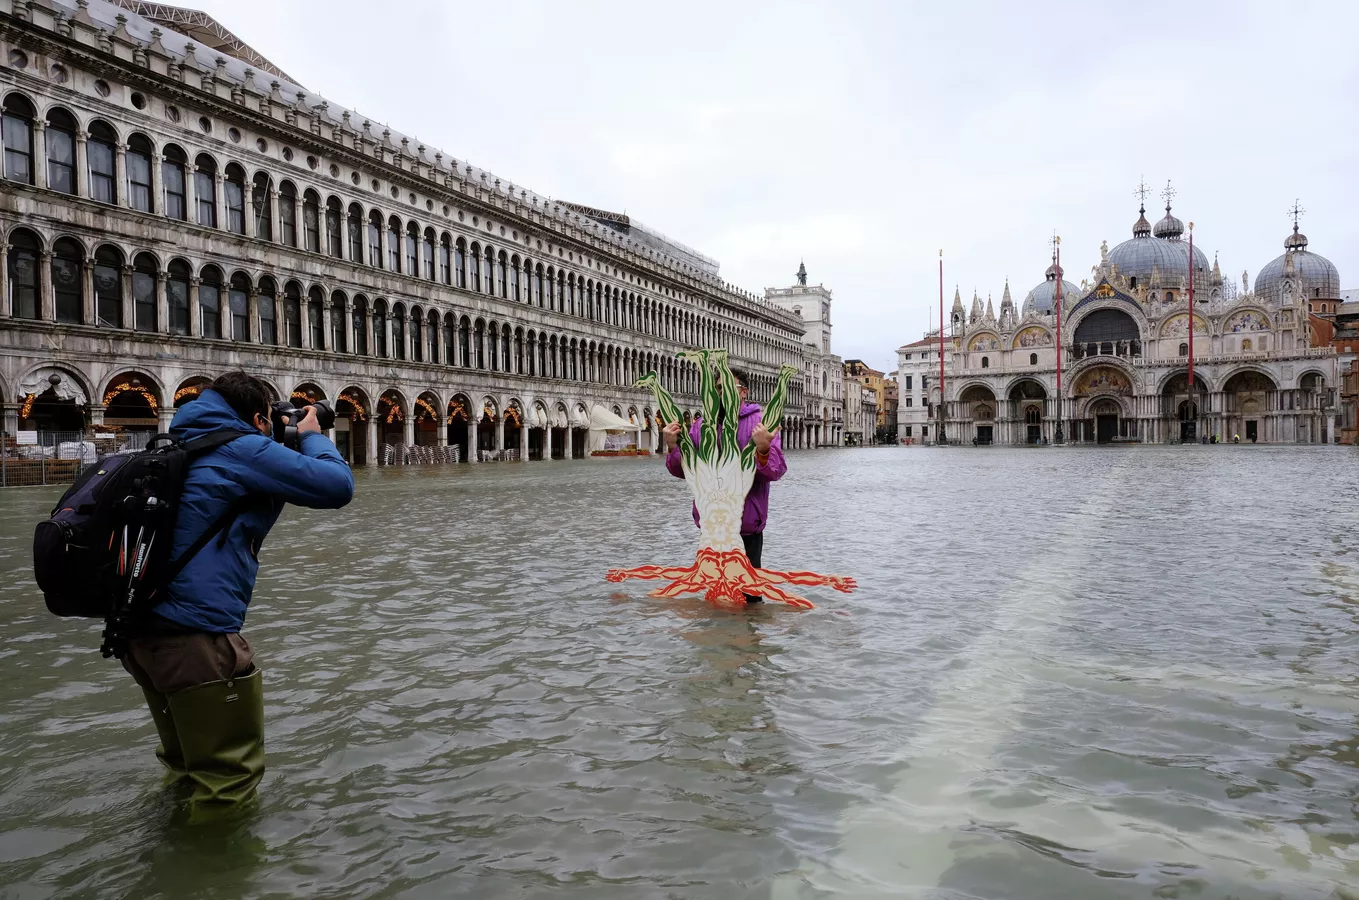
(1170, 227)
(1165, 253)
(1040, 299)
(1308, 274)
(1142, 228)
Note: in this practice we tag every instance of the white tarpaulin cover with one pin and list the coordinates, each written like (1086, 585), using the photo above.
(612, 432)
(603, 419)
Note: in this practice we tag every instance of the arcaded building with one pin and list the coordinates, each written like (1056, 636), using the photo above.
(175, 207)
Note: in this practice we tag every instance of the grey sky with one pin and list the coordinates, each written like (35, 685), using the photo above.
(863, 137)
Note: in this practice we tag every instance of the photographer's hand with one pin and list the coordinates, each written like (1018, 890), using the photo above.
(309, 423)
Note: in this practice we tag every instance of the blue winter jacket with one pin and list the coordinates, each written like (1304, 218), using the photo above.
(213, 591)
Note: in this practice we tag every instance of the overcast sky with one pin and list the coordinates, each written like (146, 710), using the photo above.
(864, 137)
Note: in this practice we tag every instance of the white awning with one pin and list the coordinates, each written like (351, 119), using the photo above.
(604, 419)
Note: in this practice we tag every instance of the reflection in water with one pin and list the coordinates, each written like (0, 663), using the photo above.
(1100, 674)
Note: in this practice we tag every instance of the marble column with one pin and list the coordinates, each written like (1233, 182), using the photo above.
(409, 429)
(500, 434)
(547, 442)
(47, 296)
(219, 183)
(4, 280)
(195, 313)
(523, 441)
(122, 196)
(371, 450)
(162, 304)
(129, 309)
(326, 333)
(88, 311)
(82, 165)
(39, 154)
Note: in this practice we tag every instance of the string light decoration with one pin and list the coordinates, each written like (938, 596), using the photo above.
(128, 388)
(309, 396)
(393, 410)
(456, 411)
(512, 416)
(425, 410)
(189, 390)
(28, 406)
(359, 413)
(488, 411)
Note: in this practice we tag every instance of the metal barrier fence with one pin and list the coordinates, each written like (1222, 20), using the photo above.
(30, 458)
(417, 455)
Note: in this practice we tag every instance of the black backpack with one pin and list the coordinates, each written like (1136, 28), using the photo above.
(104, 553)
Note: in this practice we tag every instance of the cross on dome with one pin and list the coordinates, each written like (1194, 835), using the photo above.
(1168, 194)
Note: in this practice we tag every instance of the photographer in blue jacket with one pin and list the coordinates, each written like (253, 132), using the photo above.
(188, 655)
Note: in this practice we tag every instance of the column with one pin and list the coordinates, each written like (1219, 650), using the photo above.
(39, 153)
(500, 434)
(408, 427)
(523, 441)
(325, 325)
(87, 304)
(4, 280)
(195, 311)
(157, 185)
(219, 180)
(82, 164)
(304, 321)
(129, 311)
(96, 414)
(547, 441)
(254, 316)
(166, 415)
(381, 262)
(441, 435)
(224, 313)
(47, 301)
(162, 304)
(275, 215)
(191, 192)
(387, 334)
(123, 195)
(371, 445)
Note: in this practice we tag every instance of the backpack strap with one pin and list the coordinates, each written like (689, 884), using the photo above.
(197, 447)
(211, 441)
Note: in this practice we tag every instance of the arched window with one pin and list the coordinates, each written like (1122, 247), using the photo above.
(238, 298)
(144, 293)
(445, 260)
(490, 270)
(413, 250)
(1184, 349)
(311, 221)
(394, 244)
(514, 277)
(108, 287)
(338, 325)
(464, 343)
(417, 337)
(505, 348)
(292, 314)
(262, 206)
(1170, 296)
(287, 213)
(172, 179)
(375, 239)
(360, 327)
(429, 254)
(571, 295)
(316, 322)
(399, 331)
(355, 226)
(1033, 359)
(502, 276)
(986, 363)
(460, 262)
(380, 328)
(68, 280)
(177, 296)
(268, 312)
(234, 188)
(450, 340)
(17, 125)
(538, 276)
(138, 162)
(334, 230)
(61, 170)
(101, 152)
(476, 267)
(432, 335)
(493, 345)
(1032, 416)
(479, 344)
(551, 292)
(205, 190)
(210, 302)
(1245, 344)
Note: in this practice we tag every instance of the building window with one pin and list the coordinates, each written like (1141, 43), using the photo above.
(268, 313)
(429, 254)
(205, 190)
(1184, 349)
(986, 363)
(292, 315)
(380, 328)
(375, 239)
(24, 279)
(108, 288)
(908, 430)
(172, 174)
(1033, 359)
(334, 236)
(502, 279)
(460, 263)
(316, 321)
(337, 322)
(68, 278)
(103, 163)
(476, 268)
(394, 244)
(210, 304)
(262, 205)
(924, 431)
(234, 187)
(445, 262)
(144, 294)
(311, 221)
(908, 401)
(287, 213)
(413, 251)
(355, 228)
(17, 125)
(138, 161)
(359, 327)
(238, 299)
(61, 172)
(177, 297)
(399, 331)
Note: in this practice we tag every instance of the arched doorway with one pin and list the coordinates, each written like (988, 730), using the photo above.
(52, 401)
(538, 425)
(514, 425)
(351, 425)
(1027, 399)
(132, 404)
(1183, 407)
(580, 431)
(1105, 412)
(560, 432)
(1102, 419)
(426, 420)
(486, 428)
(979, 409)
(391, 418)
(1252, 400)
(458, 405)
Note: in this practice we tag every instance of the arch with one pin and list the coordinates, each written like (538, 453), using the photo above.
(1026, 388)
(1249, 379)
(68, 280)
(1176, 381)
(133, 398)
(16, 124)
(1178, 326)
(36, 379)
(287, 213)
(1314, 373)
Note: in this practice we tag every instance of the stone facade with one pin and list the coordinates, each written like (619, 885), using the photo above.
(170, 213)
(823, 383)
(1125, 342)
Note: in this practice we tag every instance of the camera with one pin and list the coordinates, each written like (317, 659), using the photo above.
(286, 434)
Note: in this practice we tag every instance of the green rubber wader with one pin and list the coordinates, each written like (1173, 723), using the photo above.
(221, 735)
(169, 752)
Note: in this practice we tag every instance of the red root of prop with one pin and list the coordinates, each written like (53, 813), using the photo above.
(724, 578)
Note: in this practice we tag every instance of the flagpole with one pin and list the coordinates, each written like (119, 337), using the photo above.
(1059, 437)
(1191, 314)
(939, 429)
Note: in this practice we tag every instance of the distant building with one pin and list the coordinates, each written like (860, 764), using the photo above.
(823, 384)
(917, 364)
(887, 413)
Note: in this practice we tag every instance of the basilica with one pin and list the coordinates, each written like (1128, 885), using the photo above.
(1127, 353)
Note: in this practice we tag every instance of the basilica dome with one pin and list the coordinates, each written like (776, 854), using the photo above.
(1312, 274)
(1165, 252)
(1040, 299)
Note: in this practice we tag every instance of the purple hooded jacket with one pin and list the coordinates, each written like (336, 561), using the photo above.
(756, 512)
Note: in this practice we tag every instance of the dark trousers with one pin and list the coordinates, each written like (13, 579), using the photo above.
(171, 662)
(754, 550)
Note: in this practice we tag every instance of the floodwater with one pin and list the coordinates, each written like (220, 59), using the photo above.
(1067, 673)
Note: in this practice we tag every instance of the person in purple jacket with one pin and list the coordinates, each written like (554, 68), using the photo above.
(769, 467)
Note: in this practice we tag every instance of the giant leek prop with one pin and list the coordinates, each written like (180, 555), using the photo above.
(720, 473)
